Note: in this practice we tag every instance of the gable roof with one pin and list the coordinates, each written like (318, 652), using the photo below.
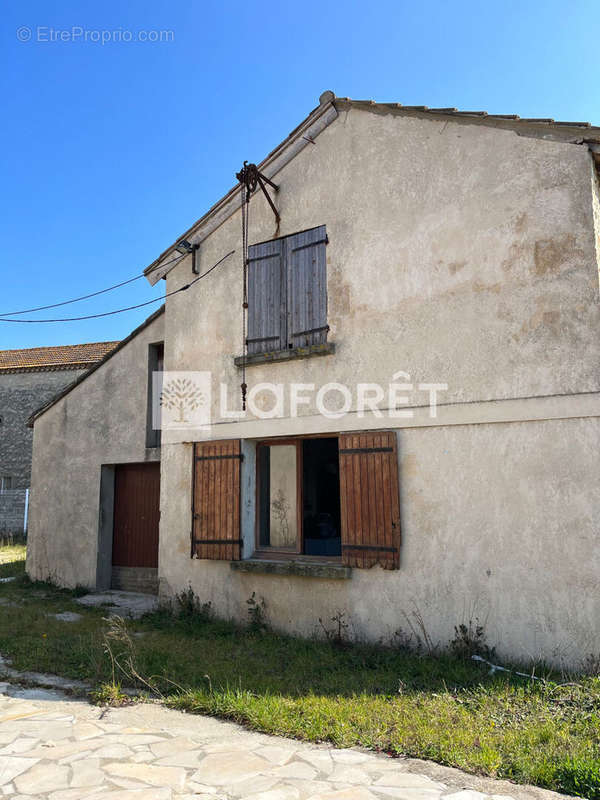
(62, 357)
(119, 346)
(344, 102)
(327, 111)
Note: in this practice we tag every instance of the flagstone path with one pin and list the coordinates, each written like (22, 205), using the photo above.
(56, 748)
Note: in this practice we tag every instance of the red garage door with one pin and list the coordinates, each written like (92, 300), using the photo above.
(136, 515)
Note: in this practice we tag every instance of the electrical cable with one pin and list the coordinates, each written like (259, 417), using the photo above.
(87, 296)
(129, 308)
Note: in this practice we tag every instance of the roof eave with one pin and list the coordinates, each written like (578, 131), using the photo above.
(301, 137)
(326, 112)
(76, 365)
(57, 397)
(570, 132)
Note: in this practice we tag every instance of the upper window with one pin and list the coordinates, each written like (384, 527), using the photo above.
(5, 483)
(156, 359)
(287, 292)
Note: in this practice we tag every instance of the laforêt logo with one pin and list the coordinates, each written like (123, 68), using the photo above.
(181, 399)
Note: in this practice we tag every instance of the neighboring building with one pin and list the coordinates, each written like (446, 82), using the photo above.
(415, 246)
(27, 379)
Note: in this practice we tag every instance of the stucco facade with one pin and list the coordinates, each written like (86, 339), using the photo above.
(460, 252)
(101, 422)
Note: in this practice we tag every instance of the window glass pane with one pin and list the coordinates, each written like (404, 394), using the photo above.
(278, 499)
(321, 497)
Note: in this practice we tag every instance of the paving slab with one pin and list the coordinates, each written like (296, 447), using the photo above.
(58, 748)
(67, 616)
(126, 604)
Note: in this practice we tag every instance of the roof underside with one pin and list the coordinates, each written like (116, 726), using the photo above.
(70, 356)
(580, 133)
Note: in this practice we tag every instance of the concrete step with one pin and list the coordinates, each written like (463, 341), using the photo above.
(135, 579)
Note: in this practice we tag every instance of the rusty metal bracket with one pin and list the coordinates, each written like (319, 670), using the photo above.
(250, 177)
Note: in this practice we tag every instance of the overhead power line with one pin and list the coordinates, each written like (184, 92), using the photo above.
(129, 308)
(85, 296)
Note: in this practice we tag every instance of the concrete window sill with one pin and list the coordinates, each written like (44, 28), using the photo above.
(327, 349)
(305, 569)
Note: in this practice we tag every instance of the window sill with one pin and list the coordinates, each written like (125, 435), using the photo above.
(304, 569)
(326, 349)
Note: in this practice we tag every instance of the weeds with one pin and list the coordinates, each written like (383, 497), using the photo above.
(257, 613)
(591, 664)
(110, 694)
(419, 632)
(189, 607)
(580, 777)
(337, 634)
(120, 649)
(470, 640)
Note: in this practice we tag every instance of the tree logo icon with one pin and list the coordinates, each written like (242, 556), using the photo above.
(181, 395)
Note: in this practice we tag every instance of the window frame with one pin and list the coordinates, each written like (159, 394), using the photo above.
(156, 363)
(267, 552)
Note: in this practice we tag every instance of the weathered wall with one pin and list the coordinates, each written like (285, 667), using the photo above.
(22, 393)
(461, 254)
(100, 422)
(458, 253)
(499, 524)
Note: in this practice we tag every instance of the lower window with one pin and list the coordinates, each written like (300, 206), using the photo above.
(298, 502)
(329, 497)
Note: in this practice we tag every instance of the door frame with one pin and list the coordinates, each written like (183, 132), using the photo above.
(106, 516)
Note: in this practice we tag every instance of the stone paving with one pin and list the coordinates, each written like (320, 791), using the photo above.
(126, 604)
(56, 748)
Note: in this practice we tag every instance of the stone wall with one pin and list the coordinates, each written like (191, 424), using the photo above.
(22, 393)
(13, 504)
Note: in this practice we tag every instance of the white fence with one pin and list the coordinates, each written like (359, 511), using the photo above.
(14, 505)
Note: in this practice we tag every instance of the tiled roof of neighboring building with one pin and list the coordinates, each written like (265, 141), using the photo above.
(95, 366)
(62, 357)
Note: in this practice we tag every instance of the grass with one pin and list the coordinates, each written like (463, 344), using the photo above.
(445, 708)
(12, 560)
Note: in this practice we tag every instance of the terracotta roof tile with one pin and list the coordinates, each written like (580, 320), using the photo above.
(69, 356)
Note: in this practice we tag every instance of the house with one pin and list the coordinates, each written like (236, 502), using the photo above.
(416, 328)
(27, 379)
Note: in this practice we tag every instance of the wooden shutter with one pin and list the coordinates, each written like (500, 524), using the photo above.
(266, 297)
(307, 290)
(216, 528)
(369, 499)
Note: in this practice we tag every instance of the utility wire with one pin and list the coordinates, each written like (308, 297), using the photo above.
(86, 296)
(129, 308)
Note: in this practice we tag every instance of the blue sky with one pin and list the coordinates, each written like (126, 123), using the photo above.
(111, 151)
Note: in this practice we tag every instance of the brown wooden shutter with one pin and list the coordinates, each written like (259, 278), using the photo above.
(267, 310)
(216, 528)
(369, 499)
(307, 291)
